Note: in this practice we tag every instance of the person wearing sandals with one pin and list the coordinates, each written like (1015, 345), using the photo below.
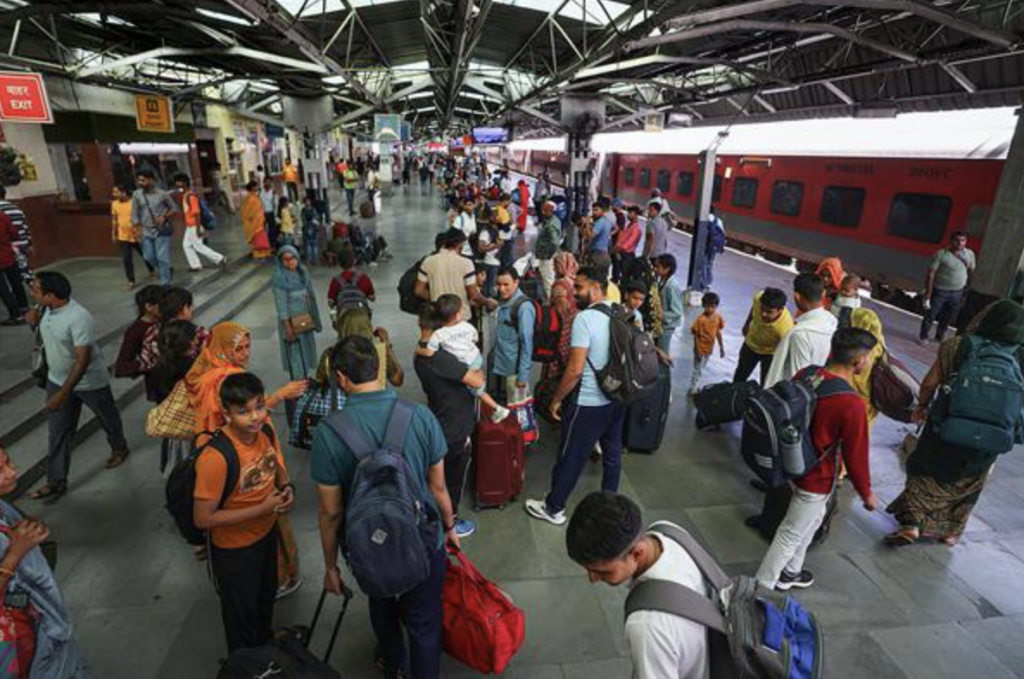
(227, 354)
(944, 481)
(36, 635)
(76, 374)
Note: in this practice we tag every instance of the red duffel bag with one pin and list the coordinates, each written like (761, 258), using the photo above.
(894, 390)
(481, 626)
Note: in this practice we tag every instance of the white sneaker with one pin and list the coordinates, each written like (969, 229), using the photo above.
(538, 509)
(499, 414)
(289, 587)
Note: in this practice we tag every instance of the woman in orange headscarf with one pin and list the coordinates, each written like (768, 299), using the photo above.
(228, 353)
(830, 270)
(254, 222)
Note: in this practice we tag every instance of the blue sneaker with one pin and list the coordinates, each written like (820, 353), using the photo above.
(464, 528)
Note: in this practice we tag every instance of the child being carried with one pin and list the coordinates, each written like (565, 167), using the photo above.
(459, 338)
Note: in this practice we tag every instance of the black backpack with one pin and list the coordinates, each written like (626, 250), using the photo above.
(181, 484)
(632, 367)
(547, 329)
(350, 295)
(407, 299)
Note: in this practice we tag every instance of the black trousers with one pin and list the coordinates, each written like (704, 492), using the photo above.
(246, 580)
(62, 425)
(456, 470)
(270, 222)
(748, 360)
(127, 258)
(12, 292)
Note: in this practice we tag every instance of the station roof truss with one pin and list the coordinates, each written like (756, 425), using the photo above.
(449, 64)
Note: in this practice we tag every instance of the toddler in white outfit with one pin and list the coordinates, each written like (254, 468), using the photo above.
(459, 338)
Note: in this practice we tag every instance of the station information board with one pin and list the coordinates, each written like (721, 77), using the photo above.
(153, 113)
(23, 98)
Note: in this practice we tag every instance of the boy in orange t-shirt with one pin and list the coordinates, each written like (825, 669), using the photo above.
(243, 530)
(705, 330)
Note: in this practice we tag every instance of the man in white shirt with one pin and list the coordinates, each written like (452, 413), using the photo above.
(465, 222)
(810, 339)
(606, 536)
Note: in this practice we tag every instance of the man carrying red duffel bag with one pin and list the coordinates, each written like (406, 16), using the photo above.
(482, 628)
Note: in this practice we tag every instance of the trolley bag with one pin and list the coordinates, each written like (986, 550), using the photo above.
(288, 656)
(646, 417)
(753, 633)
(498, 460)
(482, 628)
(894, 391)
(366, 210)
(723, 402)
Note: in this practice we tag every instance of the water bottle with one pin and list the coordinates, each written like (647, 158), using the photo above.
(791, 450)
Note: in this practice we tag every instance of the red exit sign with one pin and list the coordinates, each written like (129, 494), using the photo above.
(23, 98)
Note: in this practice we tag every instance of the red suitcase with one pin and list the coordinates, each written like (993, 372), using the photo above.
(498, 460)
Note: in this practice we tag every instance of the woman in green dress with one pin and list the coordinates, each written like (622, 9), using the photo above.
(945, 481)
(298, 319)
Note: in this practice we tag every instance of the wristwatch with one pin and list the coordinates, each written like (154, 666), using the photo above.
(422, 344)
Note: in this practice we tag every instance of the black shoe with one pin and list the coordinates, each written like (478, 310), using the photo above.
(753, 522)
(759, 485)
(788, 581)
(12, 322)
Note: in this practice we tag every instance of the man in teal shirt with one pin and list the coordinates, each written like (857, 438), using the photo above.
(76, 374)
(333, 466)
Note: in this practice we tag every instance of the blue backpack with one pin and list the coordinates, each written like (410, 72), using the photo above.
(753, 633)
(981, 406)
(390, 530)
(206, 216)
(716, 236)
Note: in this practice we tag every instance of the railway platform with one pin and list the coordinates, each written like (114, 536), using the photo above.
(144, 608)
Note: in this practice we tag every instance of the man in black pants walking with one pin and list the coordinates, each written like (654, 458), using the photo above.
(447, 383)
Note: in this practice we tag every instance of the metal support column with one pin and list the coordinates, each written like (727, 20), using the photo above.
(706, 161)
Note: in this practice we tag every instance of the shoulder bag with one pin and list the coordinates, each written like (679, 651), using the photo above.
(173, 418)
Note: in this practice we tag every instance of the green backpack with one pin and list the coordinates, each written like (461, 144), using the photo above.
(981, 406)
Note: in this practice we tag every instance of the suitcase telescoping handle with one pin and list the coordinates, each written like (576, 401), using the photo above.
(346, 594)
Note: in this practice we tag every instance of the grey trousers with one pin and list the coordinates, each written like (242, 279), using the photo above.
(63, 424)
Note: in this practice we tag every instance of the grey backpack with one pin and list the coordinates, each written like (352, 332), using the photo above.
(753, 633)
(390, 530)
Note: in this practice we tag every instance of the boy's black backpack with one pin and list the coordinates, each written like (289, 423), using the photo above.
(776, 442)
(181, 484)
(350, 295)
(407, 299)
(547, 328)
(632, 366)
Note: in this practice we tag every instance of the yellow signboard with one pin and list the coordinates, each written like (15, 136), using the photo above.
(153, 113)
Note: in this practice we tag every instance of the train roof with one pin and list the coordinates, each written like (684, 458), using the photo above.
(970, 134)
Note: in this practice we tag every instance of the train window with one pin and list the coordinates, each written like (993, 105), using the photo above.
(787, 198)
(842, 205)
(628, 178)
(744, 192)
(977, 219)
(684, 183)
(664, 178)
(716, 189)
(645, 178)
(919, 216)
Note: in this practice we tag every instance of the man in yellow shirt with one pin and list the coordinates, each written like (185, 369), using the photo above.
(767, 323)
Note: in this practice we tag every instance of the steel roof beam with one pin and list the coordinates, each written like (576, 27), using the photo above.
(269, 13)
(813, 28)
(369, 36)
(162, 52)
(533, 36)
(921, 9)
(959, 77)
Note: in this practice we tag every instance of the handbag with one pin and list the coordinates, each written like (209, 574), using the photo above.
(482, 628)
(172, 418)
(302, 323)
(894, 391)
(318, 402)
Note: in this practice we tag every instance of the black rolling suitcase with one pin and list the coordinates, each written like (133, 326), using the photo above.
(723, 402)
(288, 656)
(646, 417)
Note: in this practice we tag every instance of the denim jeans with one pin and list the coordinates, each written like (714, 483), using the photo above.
(156, 250)
(944, 305)
(63, 425)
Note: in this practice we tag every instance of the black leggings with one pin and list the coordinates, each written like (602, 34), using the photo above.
(127, 248)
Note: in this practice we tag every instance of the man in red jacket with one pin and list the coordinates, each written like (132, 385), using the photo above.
(839, 426)
(12, 292)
